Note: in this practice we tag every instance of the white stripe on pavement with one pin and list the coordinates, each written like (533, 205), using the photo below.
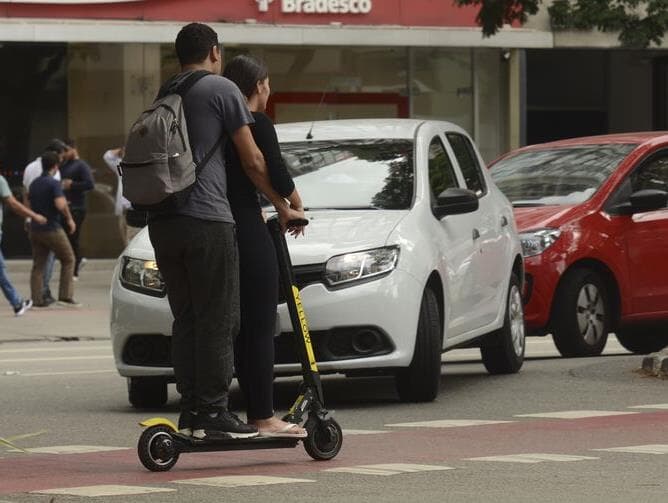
(53, 349)
(240, 481)
(387, 470)
(533, 458)
(654, 406)
(363, 432)
(639, 449)
(56, 359)
(446, 423)
(105, 490)
(68, 373)
(578, 414)
(72, 449)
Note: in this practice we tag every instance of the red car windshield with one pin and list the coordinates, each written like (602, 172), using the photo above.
(557, 176)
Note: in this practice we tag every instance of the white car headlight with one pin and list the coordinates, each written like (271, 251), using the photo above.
(536, 242)
(142, 276)
(344, 269)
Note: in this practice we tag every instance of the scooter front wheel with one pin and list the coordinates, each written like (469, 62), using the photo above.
(324, 438)
(156, 449)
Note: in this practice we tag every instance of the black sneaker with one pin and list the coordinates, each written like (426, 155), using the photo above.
(222, 425)
(22, 307)
(48, 300)
(187, 420)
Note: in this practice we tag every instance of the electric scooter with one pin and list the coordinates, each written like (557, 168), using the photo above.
(160, 444)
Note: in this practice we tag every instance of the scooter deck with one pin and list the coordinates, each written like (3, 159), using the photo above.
(184, 443)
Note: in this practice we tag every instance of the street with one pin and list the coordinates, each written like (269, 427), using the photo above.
(561, 430)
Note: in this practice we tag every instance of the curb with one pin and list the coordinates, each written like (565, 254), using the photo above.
(656, 364)
(18, 266)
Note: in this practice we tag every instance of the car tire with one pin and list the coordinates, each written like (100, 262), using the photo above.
(639, 341)
(147, 392)
(421, 380)
(581, 314)
(503, 350)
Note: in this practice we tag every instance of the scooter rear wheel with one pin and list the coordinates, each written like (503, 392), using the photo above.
(324, 438)
(156, 449)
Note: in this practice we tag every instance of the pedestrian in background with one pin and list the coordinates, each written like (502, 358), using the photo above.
(31, 172)
(46, 197)
(19, 304)
(122, 207)
(77, 179)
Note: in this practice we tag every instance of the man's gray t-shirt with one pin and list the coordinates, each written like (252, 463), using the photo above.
(214, 106)
(4, 194)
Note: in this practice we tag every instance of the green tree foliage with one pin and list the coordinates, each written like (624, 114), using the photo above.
(640, 23)
(493, 14)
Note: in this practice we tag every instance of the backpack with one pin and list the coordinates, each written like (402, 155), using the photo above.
(158, 168)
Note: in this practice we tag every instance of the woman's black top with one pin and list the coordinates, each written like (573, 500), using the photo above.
(241, 192)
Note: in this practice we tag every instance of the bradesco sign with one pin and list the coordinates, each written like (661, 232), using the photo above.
(319, 6)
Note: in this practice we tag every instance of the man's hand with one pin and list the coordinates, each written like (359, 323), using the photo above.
(26, 224)
(67, 183)
(285, 214)
(71, 226)
(40, 219)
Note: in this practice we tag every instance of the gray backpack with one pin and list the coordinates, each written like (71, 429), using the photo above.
(158, 168)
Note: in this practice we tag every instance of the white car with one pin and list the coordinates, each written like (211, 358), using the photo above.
(411, 250)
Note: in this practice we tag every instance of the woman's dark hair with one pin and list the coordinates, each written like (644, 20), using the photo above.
(49, 160)
(246, 71)
(194, 42)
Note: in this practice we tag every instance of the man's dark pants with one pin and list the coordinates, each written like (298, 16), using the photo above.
(199, 262)
(78, 215)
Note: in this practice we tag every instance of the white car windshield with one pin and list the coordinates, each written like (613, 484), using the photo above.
(352, 174)
(557, 176)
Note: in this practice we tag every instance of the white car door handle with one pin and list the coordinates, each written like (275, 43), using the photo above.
(504, 221)
(476, 234)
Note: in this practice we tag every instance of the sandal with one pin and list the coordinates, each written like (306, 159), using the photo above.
(286, 432)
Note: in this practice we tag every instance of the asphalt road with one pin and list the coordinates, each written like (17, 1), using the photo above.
(480, 441)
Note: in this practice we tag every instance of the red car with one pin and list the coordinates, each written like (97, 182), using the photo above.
(593, 218)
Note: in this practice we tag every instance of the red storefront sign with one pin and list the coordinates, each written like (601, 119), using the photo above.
(355, 12)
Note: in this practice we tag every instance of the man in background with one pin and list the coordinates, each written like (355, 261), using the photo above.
(77, 180)
(47, 198)
(31, 172)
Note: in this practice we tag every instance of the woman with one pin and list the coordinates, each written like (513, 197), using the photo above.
(258, 266)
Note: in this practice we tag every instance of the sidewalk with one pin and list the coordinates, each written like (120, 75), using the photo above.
(86, 323)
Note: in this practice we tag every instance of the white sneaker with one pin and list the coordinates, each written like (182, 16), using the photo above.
(25, 305)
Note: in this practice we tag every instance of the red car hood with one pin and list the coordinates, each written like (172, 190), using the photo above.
(538, 217)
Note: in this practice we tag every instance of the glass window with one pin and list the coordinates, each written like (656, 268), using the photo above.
(653, 175)
(441, 173)
(352, 174)
(468, 162)
(569, 175)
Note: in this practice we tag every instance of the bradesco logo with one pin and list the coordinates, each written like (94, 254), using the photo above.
(319, 6)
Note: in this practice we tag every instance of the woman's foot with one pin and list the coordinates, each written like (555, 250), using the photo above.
(275, 427)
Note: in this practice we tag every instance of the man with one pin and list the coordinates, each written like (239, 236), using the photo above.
(195, 245)
(31, 172)
(77, 180)
(19, 304)
(47, 198)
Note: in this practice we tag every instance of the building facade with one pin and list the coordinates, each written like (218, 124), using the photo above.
(85, 69)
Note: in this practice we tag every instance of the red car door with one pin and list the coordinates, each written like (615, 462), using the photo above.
(646, 237)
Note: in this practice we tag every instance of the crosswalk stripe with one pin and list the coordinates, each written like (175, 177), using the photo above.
(240, 481)
(577, 414)
(72, 449)
(654, 406)
(446, 423)
(363, 432)
(639, 449)
(533, 458)
(56, 359)
(105, 490)
(32, 350)
(388, 469)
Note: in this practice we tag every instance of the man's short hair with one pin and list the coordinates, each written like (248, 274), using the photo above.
(49, 160)
(71, 143)
(56, 145)
(194, 42)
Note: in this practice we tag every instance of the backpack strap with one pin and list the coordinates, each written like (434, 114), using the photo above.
(182, 90)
